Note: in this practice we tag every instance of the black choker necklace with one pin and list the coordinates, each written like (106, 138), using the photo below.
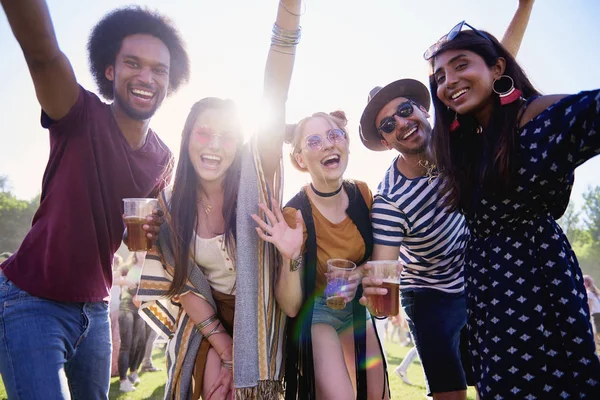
(330, 194)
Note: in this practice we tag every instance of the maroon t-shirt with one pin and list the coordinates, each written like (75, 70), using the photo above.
(67, 254)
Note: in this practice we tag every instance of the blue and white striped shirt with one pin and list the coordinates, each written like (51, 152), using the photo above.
(407, 213)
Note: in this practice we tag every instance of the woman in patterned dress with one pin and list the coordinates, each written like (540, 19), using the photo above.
(508, 160)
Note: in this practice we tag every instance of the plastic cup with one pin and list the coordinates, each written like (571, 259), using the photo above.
(389, 272)
(338, 274)
(136, 211)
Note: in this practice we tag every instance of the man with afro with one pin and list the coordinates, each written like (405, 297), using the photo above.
(54, 318)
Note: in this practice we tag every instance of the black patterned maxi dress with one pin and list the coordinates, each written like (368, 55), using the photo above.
(529, 325)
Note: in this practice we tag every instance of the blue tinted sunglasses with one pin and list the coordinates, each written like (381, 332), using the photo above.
(316, 142)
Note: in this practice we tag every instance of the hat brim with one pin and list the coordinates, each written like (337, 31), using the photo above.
(409, 88)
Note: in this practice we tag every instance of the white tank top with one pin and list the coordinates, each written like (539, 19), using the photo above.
(216, 263)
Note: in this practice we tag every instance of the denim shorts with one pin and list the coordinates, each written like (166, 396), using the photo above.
(437, 322)
(338, 319)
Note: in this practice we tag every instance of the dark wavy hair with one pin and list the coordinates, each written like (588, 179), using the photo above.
(183, 203)
(107, 36)
(466, 159)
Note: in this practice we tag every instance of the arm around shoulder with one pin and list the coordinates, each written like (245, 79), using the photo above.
(53, 77)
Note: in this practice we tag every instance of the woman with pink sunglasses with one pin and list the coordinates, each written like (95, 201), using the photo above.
(207, 283)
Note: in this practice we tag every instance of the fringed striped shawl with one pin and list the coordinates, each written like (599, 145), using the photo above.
(259, 323)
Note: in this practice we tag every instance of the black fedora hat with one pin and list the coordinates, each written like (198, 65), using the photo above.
(379, 97)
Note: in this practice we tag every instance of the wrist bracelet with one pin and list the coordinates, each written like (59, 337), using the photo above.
(203, 324)
(214, 331)
(228, 364)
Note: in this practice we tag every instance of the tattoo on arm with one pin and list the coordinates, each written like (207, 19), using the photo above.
(296, 263)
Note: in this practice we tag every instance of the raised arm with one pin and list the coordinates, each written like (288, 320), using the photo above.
(278, 74)
(55, 84)
(516, 29)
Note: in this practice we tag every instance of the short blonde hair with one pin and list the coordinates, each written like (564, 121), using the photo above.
(338, 118)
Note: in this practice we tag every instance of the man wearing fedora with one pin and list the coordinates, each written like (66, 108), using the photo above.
(409, 223)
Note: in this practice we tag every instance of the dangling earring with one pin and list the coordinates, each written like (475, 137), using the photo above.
(504, 87)
(455, 124)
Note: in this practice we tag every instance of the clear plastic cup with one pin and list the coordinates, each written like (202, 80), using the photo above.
(389, 272)
(136, 211)
(338, 274)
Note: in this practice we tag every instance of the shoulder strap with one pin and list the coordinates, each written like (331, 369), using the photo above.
(299, 374)
(523, 108)
(357, 210)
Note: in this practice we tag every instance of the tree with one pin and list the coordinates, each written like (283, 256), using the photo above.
(588, 248)
(15, 217)
(592, 212)
(570, 223)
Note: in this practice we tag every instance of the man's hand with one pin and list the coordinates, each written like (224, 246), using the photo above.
(371, 287)
(154, 222)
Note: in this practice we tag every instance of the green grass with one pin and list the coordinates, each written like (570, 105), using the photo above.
(153, 383)
(395, 355)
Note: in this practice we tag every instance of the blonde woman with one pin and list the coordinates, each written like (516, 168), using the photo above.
(329, 218)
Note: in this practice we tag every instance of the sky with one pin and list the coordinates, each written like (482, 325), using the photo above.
(347, 48)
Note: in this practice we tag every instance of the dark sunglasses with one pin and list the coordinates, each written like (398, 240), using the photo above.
(335, 136)
(404, 110)
(432, 51)
(204, 135)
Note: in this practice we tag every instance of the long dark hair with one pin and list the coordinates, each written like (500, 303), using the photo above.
(183, 208)
(466, 159)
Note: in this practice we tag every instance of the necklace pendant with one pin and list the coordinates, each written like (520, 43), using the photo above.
(206, 207)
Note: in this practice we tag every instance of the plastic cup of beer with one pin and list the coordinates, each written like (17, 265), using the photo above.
(136, 211)
(387, 271)
(338, 278)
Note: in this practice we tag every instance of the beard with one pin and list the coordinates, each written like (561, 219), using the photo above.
(131, 111)
(426, 127)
